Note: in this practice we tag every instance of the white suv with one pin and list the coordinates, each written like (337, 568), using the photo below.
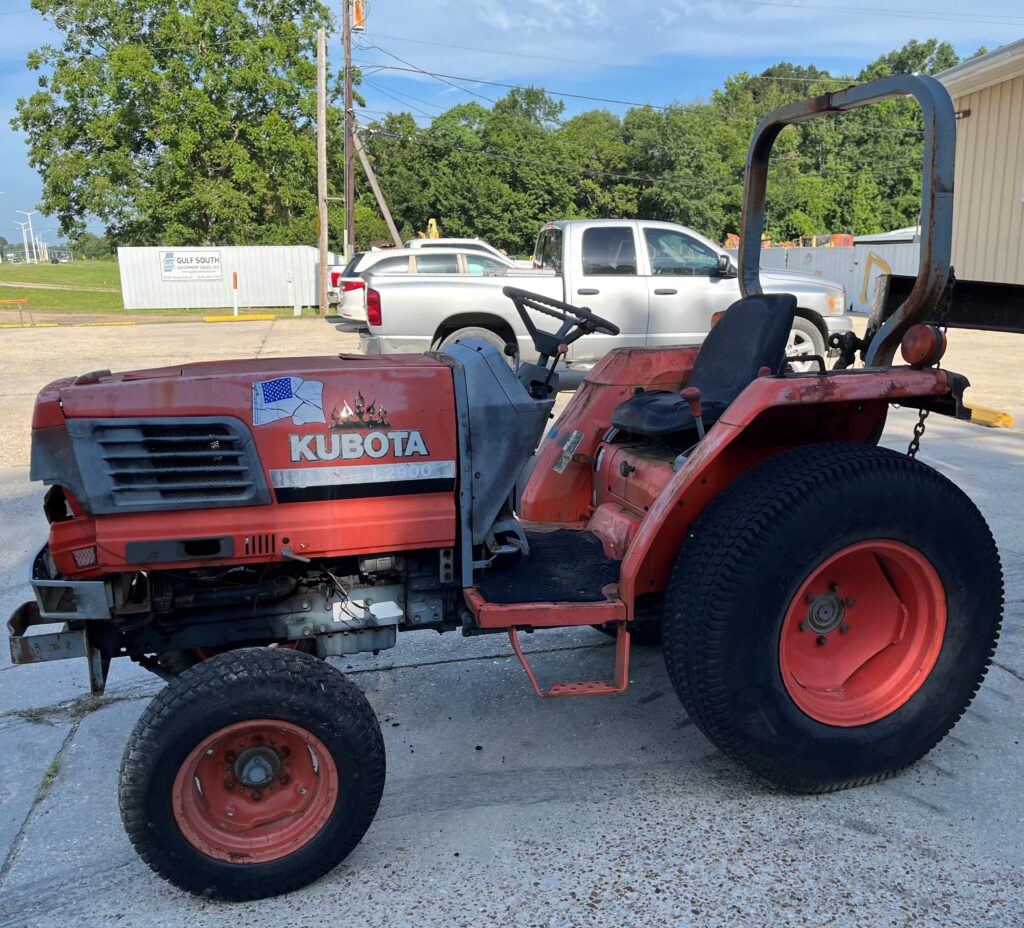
(347, 286)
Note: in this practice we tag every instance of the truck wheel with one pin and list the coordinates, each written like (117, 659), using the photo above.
(832, 614)
(252, 774)
(805, 338)
(475, 331)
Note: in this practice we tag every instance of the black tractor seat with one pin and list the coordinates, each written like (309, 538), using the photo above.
(751, 334)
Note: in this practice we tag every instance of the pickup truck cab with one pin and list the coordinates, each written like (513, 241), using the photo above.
(659, 282)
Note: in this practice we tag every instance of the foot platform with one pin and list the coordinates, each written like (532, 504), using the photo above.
(582, 687)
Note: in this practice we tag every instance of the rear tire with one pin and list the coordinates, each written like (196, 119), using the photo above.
(254, 773)
(856, 696)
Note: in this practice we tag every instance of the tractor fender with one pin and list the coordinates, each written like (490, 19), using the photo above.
(770, 416)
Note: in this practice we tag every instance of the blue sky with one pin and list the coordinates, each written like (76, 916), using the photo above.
(652, 51)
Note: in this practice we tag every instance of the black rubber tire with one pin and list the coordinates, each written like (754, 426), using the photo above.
(175, 663)
(645, 634)
(745, 558)
(231, 687)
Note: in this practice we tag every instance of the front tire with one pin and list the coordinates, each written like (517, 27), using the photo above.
(252, 774)
(832, 614)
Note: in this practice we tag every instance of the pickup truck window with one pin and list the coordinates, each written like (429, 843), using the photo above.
(549, 250)
(391, 266)
(609, 250)
(676, 254)
(437, 264)
(481, 264)
(351, 269)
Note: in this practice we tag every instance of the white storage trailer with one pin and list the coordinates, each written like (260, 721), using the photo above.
(168, 277)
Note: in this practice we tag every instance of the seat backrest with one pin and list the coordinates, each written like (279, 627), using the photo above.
(751, 334)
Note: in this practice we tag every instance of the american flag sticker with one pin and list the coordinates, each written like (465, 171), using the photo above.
(288, 397)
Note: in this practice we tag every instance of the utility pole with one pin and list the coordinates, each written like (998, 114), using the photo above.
(321, 161)
(372, 178)
(350, 177)
(31, 236)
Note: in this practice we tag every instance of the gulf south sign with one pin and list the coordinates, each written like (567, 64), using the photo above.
(191, 264)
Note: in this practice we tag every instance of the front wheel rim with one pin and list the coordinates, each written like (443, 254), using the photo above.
(255, 791)
(862, 633)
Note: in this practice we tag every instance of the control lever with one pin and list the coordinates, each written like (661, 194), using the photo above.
(692, 397)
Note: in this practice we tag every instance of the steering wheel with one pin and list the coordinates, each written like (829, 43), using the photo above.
(578, 318)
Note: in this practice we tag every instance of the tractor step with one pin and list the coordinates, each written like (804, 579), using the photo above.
(582, 687)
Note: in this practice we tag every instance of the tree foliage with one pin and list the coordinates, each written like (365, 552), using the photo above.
(192, 121)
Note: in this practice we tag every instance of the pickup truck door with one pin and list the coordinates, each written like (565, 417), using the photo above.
(684, 285)
(604, 274)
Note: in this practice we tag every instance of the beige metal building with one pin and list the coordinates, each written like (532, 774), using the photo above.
(988, 220)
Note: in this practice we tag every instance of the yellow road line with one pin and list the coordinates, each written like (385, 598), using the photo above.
(252, 317)
(992, 418)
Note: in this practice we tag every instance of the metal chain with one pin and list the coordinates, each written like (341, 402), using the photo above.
(915, 442)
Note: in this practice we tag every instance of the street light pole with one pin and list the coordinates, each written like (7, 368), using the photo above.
(24, 238)
(31, 236)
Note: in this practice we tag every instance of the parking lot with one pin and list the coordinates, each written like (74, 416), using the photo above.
(503, 809)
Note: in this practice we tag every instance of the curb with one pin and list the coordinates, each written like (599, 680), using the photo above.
(990, 418)
(252, 317)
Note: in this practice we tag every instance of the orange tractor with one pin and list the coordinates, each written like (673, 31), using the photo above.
(827, 608)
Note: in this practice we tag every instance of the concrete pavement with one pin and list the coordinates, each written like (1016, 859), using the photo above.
(575, 812)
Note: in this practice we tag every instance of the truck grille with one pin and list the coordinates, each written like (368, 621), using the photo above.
(169, 464)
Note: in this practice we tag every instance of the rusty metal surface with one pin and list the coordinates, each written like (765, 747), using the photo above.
(47, 646)
(936, 195)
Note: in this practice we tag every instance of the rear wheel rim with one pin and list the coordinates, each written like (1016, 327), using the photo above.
(255, 791)
(862, 633)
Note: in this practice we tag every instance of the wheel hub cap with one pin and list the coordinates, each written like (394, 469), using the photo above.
(826, 612)
(256, 767)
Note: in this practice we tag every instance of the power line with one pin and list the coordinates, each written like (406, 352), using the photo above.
(579, 96)
(380, 89)
(441, 77)
(493, 51)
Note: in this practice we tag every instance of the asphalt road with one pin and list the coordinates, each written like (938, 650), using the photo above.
(501, 809)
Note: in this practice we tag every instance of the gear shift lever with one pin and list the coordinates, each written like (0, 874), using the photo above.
(692, 397)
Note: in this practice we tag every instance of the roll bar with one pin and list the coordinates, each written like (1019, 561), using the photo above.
(934, 272)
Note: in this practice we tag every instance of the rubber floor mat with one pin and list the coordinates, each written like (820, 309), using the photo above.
(563, 566)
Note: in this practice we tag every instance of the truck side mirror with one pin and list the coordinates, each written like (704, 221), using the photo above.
(725, 268)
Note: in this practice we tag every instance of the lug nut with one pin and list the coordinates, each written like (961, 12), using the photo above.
(229, 783)
(834, 587)
(805, 625)
(843, 629)
(822, 640)
(284, 779)
(850, 601)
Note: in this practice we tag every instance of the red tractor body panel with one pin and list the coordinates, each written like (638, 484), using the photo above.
(633, 500)
(366, 466)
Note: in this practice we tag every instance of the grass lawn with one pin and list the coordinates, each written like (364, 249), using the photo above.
(76, 274)
(96, 291)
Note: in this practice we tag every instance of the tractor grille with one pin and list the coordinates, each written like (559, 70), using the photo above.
(171, 464)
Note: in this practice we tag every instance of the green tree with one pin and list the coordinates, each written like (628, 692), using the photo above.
(94, 247)
(179, 121)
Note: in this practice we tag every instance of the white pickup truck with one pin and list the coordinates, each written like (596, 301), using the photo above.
(660, 283)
